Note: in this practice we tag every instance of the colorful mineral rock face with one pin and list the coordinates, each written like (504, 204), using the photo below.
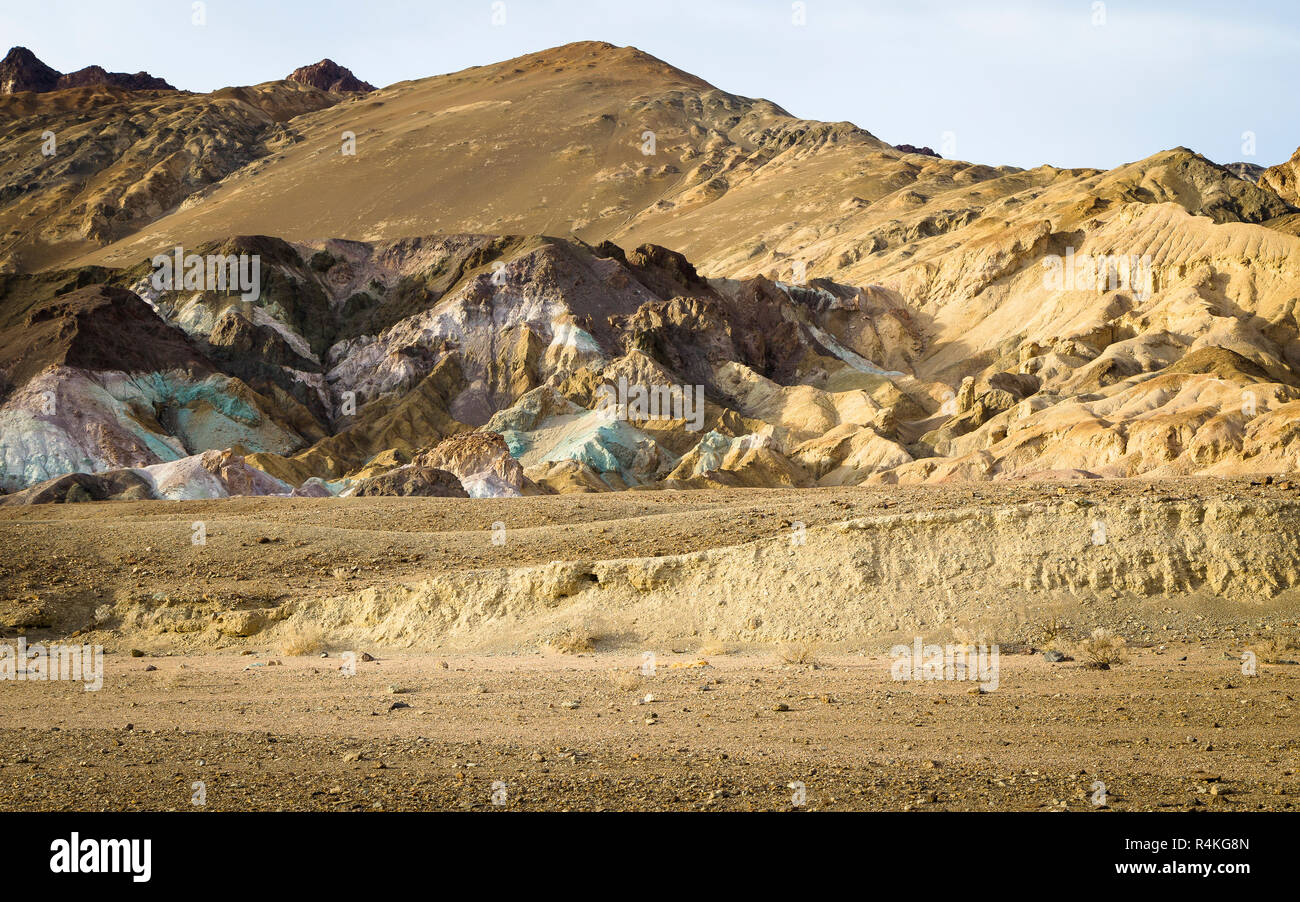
(927, 320)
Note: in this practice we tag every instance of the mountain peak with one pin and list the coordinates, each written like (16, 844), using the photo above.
(330, 76)
(20, 70)
(610, 59)
(20, 54)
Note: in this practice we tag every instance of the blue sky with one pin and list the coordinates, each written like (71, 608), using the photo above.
(1008, 81)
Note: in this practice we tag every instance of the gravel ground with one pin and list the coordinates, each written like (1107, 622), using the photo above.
(1177, 727)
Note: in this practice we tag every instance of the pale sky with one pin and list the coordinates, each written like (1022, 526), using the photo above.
(1020, 82)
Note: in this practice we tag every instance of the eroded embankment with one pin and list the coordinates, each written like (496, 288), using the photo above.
(981, 568)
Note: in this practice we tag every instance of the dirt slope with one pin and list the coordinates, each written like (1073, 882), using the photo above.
(1192, 556)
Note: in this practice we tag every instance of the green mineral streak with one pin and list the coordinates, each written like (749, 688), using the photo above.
(162, 390)
(606, 448)
(518, 442)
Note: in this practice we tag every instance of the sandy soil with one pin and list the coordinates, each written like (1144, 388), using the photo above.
(62, 561)
(1178, 726)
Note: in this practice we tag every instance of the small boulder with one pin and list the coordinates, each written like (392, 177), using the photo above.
(412, 480)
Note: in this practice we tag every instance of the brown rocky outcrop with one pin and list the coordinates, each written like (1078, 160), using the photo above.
(330, 76)
(97, 75)
(1284, 179)
(912, 148)
(413, 479)
(20, 70)
(477, 458)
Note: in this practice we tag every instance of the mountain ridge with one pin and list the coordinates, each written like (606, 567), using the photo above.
(20, 70)
(488, 252)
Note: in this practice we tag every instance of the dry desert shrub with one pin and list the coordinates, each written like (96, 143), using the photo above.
(1102, 650)
(1050, 633)
(798, 651)
(302, 640)
(1275, 649)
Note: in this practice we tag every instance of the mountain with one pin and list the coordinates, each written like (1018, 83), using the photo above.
(328, 75)
(510, 244)
(20, 70)
(1248, 171)
(563, 136)
(123, 159)
(1284, 179)
(609, 143)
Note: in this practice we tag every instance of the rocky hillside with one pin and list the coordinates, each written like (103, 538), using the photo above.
(119, 159)
(610, 143)
(847, 311)
(357, 359)
(1284, 179)
(383, 367)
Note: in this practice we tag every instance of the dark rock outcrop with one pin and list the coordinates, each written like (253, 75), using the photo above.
(330, 76)
(912, 148)
(20, 70)
(115, 485)
(96, 75)
(96, 327)
(413, 479)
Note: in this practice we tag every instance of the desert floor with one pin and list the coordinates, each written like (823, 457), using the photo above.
(1177, 727)
(717, 726)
